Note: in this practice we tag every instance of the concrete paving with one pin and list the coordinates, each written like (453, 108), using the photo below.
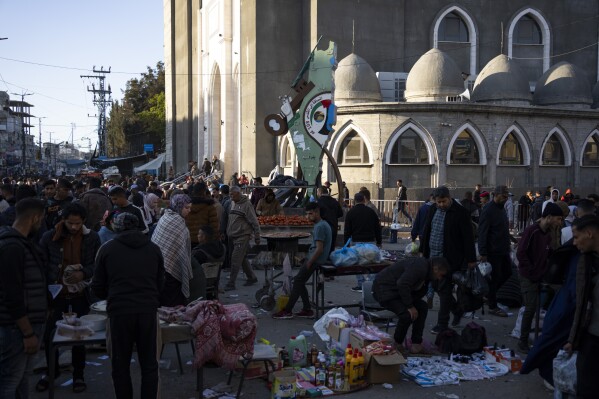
(174, 385)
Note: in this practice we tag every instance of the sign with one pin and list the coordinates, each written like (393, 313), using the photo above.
(320, 116)
(148, 147)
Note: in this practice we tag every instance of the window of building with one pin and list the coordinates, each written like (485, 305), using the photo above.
(353, 150)
(553, 153)
(511, 151)
(465, 150)
(409, 149)
(453, 29)
(527, 31)
(590, 157)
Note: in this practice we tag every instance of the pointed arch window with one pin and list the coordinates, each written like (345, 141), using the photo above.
(553, 152)
(453, 29)
(529, 40)
(511, 151)
(409, 149)
(465, 150)
(353, 150)
(590, 157)
(527, 31)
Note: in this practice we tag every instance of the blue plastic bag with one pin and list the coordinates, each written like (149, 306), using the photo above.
(368, 253)
(345, 256)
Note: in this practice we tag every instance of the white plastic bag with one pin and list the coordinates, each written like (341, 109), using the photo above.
(321, 324)
(367, 253)
(412, 248)
(564, 372)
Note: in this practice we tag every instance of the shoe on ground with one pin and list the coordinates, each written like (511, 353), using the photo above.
(229, 287)
(306, 314)
(79, 385)
(283, 314)
(357, 288)
(250, 282)
(415, 349)
(498, 312)
(437, 329)
(523, 347)
(457, 317)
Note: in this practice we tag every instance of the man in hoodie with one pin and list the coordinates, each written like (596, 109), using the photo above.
(129, 275)
(96, 203)
(554, 197)
(242, 223)
(203, 212)
(24, 302)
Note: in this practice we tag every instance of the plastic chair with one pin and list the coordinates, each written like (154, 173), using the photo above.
(371, 309)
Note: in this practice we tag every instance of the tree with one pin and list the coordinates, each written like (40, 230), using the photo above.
(140, 119)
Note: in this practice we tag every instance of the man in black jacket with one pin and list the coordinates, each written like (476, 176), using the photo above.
(130, 275)
(448, 234)
(330, 212)
(494, 245)
(23, 301)
(400, 288)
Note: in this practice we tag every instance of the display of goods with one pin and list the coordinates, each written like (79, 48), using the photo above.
(282, 220)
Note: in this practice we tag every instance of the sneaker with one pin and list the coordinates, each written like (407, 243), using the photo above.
(283, 314)
(249, 282)
(357, 289)
(523, 347)
(457, 317)
(437, 329)
(306, 314)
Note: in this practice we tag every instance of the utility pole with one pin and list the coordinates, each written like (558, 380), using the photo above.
(101, 98)
(23, 138)
(39, 153)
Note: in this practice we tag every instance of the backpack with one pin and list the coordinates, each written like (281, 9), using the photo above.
(473, 338)
(448, 341)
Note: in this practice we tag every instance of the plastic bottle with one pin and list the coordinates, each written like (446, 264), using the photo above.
(348, 357)
(313, 355)
(339, 382)
(354, 371)
(333, 357)
(331, 377)
(360, 367)
(321, 374)
(298, 351)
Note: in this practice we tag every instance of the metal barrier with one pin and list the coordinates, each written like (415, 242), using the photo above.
(389, 212)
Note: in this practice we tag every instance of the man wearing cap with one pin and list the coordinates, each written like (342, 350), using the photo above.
(533, 250)
(485, 197)
(494, 245)
(129, 274)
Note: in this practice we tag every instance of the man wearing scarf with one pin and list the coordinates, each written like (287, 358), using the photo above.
(172, 236)
(70, 250)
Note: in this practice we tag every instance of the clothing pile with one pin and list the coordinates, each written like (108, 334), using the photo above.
(222, 333)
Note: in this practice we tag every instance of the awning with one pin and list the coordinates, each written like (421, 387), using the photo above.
(152, 165)
(73, 163)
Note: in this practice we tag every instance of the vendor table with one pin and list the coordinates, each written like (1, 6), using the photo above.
(327, 270)
(99, 337)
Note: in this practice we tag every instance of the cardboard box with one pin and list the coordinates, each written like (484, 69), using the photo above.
(339, 336)
(383, 368)
(357, 341)
(283, 386)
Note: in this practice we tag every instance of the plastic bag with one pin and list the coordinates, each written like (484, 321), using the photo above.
(368, 253)
(564, 372)
(485, 268)
(412, 248)
(476, 282)
(345, 256)
(321, 324)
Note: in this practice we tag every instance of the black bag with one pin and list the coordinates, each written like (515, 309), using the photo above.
(448, 341)
(467, 301)
(473, 338)
(477, 282)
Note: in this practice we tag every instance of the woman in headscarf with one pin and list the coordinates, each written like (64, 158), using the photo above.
(151, 209)
(172, 236)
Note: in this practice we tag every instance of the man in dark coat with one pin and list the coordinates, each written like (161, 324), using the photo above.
(494, 245)
(330, 212)
(400, 288)
(448, 234)
(130, 275)
(23, 304)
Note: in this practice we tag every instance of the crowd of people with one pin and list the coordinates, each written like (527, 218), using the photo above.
(134, 244)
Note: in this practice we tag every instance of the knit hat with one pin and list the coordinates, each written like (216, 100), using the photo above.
(125, 221)
(484, 194)
(552, 209)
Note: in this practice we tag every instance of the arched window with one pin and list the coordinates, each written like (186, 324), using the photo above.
(553, 153)
(465, 150)
(409, 149)
(511, 151)
(529, 43)
(590, 157)
(353, 150)
(454, 33)
(453, 29)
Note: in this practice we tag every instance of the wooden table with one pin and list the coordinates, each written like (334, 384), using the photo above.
(329, 270)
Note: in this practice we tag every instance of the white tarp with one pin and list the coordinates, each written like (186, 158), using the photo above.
(152, 165)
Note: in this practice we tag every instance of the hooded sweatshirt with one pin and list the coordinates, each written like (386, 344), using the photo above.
(129, 274)
(242, 219)
(203, 213)
(550, 199)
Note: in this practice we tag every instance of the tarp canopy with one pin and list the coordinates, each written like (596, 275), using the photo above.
(72, 163)
(125, 165)
(152, 165)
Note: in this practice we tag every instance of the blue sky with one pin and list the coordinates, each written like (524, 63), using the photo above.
(69, 37)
